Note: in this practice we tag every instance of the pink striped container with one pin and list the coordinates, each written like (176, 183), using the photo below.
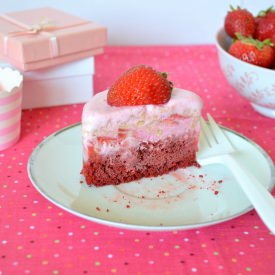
(10, 106)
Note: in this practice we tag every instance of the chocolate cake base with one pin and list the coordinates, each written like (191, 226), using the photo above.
(147, 160)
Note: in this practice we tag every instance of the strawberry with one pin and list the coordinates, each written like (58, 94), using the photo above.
(260, 53)
(265, 29)
(105, 139)
(122, 133)
(91, 151)
(173, 120)
(140, 85)
(265, 25)
(241, 21)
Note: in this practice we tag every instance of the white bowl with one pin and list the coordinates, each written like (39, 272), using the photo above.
(254, 83)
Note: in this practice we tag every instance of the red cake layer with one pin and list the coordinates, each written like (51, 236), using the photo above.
(150, 160)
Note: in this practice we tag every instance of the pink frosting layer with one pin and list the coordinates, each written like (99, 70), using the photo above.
(147, 121)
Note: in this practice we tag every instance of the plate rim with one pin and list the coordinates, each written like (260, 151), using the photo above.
(139, 227)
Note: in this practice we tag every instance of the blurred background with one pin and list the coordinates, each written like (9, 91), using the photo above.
(148, 22)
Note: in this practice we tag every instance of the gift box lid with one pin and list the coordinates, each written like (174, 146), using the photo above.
(44, 37)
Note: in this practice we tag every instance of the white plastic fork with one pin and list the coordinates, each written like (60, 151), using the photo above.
(219, 149)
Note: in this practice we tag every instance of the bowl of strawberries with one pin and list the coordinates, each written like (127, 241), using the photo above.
(246, 51)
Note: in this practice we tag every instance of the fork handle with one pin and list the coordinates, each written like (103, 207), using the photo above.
(261, 199)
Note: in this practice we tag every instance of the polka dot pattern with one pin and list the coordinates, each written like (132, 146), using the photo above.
(37, 237)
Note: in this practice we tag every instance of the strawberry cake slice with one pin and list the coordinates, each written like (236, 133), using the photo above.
(140, 127)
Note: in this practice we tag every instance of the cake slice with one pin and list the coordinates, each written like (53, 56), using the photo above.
(126, 143)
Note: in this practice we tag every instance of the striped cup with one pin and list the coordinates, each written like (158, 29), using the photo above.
(10, 106)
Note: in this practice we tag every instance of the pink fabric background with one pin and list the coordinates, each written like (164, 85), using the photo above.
(37, 237)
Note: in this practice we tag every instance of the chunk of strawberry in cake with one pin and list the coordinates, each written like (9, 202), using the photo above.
(140, 127)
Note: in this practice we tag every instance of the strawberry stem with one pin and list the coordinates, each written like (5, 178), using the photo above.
(231, 8)
(164, 75)
(263, 13)
(257, 43)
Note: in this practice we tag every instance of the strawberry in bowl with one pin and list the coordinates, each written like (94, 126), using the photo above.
(248, 64)
(239, 21)
(250, 50)
(265, 25)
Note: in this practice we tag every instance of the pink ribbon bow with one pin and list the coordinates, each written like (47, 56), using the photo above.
(43, 27)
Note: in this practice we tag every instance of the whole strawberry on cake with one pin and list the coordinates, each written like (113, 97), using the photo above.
(141, 127)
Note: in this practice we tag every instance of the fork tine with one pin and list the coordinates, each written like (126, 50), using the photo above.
(210, 139)
(203, 140)
(220, 136)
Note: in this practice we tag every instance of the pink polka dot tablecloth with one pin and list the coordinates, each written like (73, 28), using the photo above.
(37, 237)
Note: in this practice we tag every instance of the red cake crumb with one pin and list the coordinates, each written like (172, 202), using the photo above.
(196, 164)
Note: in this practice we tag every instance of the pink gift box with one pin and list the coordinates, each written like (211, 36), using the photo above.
(45, 37)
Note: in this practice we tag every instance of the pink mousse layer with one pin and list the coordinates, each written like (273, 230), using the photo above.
(138, 123)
